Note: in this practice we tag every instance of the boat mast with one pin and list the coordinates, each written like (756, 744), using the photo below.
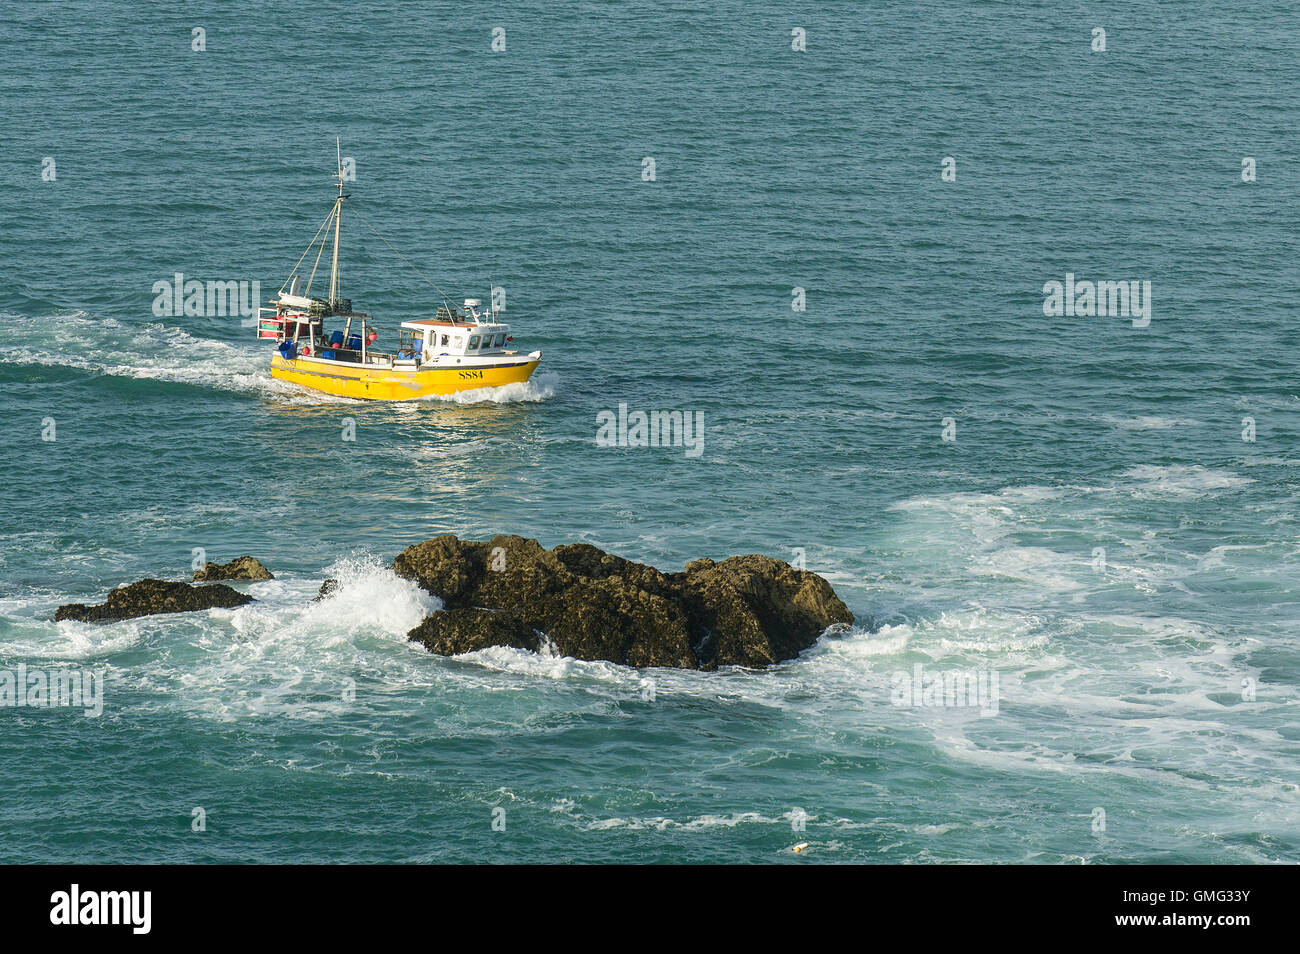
(338, 215)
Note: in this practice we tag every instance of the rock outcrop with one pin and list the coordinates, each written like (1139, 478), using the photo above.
(148, 597)
(510, 591)
(240, 568)
(452, 632)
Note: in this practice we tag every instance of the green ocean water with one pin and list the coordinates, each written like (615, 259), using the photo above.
(1098, 533)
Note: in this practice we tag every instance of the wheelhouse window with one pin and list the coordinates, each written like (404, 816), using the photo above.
(473, 343)
(501, 340)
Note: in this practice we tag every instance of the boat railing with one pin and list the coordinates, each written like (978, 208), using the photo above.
(270, 324)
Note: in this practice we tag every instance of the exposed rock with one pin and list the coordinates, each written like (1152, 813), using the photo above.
(240, 568)
(452, 632)
(746, 610)
(328, 588)
(582, 559)
(757, 610)
(148, 597)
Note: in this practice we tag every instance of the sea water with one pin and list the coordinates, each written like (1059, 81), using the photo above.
(839, 257)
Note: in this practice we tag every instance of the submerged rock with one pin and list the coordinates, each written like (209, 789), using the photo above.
(149, 597)
(510, 591)
(240, 568)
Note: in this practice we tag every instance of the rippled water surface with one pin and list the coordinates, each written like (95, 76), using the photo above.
(1099, 536)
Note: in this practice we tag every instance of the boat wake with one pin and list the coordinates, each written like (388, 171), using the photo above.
(146, 352)
(153, 351)
(539, 387)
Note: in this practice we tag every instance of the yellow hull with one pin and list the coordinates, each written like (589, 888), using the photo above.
(389, 384)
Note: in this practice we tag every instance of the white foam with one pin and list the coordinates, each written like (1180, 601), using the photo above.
(1045, 569)
(289, 655)
(1184, 480)
(539, 387)
(151, 351)
(370, 597)
(1217, 556)
(1003, 500)
(88, 641)
(703, 822)
(980, 630)
(1148, 422)
(537, 665)
(860, 645)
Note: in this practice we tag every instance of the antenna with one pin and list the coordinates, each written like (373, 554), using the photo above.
(338, 145)
(338, 215)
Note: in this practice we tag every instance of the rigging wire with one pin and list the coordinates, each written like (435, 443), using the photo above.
(309, 247)
(316, 264)
(429, 281)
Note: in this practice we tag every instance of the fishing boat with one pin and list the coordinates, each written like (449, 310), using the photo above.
(323, 344)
